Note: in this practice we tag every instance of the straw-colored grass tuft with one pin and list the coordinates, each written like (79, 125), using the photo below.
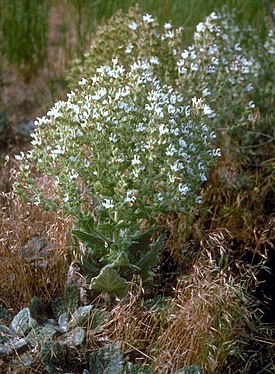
(207, 315)
(33, 250)
(135, 325)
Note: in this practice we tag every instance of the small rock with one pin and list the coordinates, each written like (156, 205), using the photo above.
(74, 338)
(80, 316)
(22, 322)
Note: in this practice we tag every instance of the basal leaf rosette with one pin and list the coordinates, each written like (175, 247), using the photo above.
(123, 145)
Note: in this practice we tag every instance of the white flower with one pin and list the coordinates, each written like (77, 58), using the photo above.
(70, 95)
(72, 158)
(163, 129)
(58, 151)
(182, 143)
(187, 111)
(129, 48)
(107, 203)
(159, 112)
(251, 104)
(206, 92)
(171, 109)
(99, 94)
(237, 47)
(211, 69)
(177, 166)
(147, 18)
(216, 152)
(86, 163)
(169, 34)
(185, 54)
(133, 26)
(73, 174)
(183, 188)
(201, 166)
(171, 150)
(171, 178)
(130, 198)
(113, 138)
(167, 26)
(99, 126)
(41, 121)
(20, 157)
(100, 70)
(136, 160)
(213, 16)
(249, 87)
(54, 112)
(36, 140)
(203, 177)
(82, 82)
(66, 198)
(208, 111)
(198, 200)
(194, 67)
(140, 127)
(193, 55)
(200, 27)
(154, 60)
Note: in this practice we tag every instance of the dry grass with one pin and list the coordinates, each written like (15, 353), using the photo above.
(207, 315)
(207, 320)
(136, 326)
(20, 278)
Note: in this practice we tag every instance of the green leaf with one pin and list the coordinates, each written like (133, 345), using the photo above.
(150, 259)
(122, 261)
(91, 266)
(85, 237)
(108, 359)
(109, 281)
(86, 222)
(91, 237)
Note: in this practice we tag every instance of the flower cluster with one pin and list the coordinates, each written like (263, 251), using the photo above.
(130, 37)
(219, 67)
(123, 142)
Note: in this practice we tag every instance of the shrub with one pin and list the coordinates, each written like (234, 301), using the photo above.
(221, 65)
(127, 146)
(122, 149)
(130, 37)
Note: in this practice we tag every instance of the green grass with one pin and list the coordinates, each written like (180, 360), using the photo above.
(24, 23)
